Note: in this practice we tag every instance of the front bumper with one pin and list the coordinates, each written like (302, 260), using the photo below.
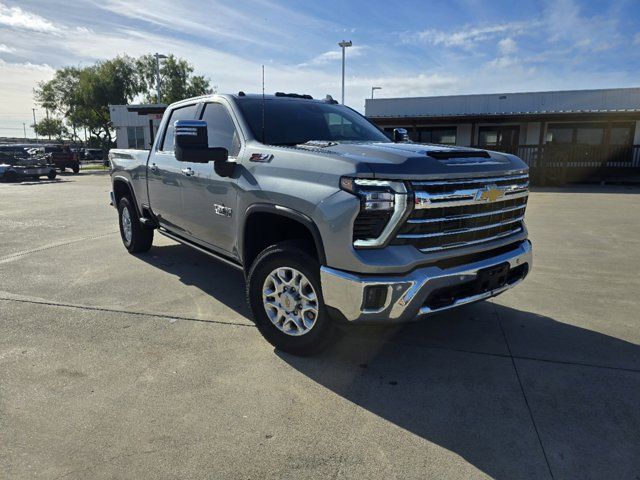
(423, 291)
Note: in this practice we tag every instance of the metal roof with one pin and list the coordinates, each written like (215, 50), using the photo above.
(614, 100)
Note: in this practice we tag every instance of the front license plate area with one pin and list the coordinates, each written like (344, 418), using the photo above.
(492, 278)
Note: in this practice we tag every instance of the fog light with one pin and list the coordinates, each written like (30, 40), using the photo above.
(375, 296)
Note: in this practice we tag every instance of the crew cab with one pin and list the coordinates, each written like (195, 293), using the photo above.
(329, 219)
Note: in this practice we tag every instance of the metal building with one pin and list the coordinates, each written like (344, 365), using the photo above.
(136, 125)
(574, 135)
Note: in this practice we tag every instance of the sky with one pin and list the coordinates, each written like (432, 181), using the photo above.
(409, 48)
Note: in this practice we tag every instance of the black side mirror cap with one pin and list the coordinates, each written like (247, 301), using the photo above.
(400, 135)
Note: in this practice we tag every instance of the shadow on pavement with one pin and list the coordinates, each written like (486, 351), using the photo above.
(214, 278)
(471, 402)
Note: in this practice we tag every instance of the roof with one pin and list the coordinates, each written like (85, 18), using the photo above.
(613, 100)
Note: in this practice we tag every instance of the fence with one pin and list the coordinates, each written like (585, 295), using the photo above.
(551, 164)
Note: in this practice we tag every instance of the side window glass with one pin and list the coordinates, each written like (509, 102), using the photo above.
(183, 113)
(220, 128)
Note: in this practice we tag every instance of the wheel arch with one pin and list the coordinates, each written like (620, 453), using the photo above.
(257, 215)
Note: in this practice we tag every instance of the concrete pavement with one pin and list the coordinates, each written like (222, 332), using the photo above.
(121, 366)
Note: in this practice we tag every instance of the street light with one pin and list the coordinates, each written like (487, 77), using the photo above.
(344, 44)
(34, 124)
(159, 94)
(373, 89)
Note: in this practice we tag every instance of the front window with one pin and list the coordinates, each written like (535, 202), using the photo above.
(294, 122)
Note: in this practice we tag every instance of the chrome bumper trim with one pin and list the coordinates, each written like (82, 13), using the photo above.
(406, 294)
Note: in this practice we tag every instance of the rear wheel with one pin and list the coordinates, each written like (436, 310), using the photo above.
(52, 174)
(284, 294)
(76, 168)
(135, 237)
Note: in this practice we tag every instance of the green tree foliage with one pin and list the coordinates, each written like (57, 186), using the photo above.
(176, 79)
(81, 96)
(51, 128)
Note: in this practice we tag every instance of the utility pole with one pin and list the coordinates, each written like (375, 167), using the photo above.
(343, 44)
(47, 110)
(24, 129)
(158, 89)
(34, 124)
(373, 89)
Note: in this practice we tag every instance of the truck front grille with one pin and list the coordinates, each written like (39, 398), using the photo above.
(460, 212)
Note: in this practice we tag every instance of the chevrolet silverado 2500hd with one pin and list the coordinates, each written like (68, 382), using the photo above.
(330, 220)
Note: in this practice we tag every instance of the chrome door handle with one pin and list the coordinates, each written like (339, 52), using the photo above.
(187, 171)
(154, 168)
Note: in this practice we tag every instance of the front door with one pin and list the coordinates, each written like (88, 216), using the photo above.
(165, 176)
(209, 200)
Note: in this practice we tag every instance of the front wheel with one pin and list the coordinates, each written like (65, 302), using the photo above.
(285, 297)
(52, 174)
(135, 237)
(75, 169)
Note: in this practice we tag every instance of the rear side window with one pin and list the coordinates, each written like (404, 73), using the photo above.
(220, 128)
(182, 113)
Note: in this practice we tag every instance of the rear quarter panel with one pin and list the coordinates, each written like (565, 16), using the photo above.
(131, 166)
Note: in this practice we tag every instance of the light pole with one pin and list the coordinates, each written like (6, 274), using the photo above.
(34, 124)
(159, 93)
(24, 129)
(373, 89)
(344, 45)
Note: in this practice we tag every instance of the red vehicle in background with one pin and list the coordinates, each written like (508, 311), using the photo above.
(62, 157)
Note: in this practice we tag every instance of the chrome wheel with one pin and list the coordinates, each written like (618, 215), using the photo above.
(290, 301)
(125, 220)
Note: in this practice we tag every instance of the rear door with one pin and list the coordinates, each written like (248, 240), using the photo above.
(165, 176)
(210, 200)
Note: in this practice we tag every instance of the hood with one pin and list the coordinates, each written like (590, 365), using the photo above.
(414, 161)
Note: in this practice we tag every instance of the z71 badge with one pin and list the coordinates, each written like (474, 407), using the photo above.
(222, 210)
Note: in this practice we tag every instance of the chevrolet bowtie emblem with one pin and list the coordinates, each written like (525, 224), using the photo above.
(490, 193)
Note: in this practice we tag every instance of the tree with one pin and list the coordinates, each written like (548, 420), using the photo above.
(51, 127)
(176, 78)
(81, 96)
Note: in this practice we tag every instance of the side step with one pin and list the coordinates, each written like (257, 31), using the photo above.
(148, 222)
(214, 255)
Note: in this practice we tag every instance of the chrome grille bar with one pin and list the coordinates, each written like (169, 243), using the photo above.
(460, 198)
(431, 183)
(471, 242)
(463, 217)
(460, 230)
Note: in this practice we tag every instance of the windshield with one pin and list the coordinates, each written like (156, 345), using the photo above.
(292, 122)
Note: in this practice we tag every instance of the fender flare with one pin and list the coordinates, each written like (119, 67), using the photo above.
(284, 212)
(127, 182)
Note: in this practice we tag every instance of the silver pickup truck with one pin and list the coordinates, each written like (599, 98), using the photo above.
(330, 220)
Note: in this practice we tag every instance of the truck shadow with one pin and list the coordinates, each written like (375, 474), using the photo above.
(447, 383)
(224, 283)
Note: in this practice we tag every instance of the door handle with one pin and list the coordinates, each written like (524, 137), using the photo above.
(154, 168)
(187, 171)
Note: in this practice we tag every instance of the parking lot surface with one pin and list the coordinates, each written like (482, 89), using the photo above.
(121, 366)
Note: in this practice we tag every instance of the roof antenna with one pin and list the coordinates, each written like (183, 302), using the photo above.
(263, 104)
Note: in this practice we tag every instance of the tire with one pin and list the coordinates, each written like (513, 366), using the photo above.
(61, 169)
(136, 238)
(289, 258)
(11, 176)
(52, 174)
(76, 168)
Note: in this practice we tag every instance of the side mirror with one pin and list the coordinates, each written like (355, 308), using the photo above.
(400, 135)
(191, 144)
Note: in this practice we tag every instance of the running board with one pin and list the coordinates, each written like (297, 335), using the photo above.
(186, 242)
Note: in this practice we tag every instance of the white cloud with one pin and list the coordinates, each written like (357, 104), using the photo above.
(507, 46)
(6, 49)
(16, 17)
(333, 55)
(468, 36)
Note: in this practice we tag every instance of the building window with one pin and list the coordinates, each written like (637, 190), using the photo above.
(498, 136)
(590, 134)
(440, 135)
(135, 137)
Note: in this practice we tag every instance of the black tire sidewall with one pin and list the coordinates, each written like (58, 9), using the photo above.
(285, 255)
(122, 204)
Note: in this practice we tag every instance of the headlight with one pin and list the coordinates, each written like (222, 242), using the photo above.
(383, 204)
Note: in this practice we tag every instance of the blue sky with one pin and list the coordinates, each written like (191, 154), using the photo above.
(409, 48)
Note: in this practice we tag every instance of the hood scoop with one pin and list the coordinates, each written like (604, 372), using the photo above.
(464, 157)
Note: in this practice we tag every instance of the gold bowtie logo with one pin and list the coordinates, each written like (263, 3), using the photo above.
(490, 193)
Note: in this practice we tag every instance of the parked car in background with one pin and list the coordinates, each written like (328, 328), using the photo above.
(93, 154)
(18, 162)
(62, 157)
